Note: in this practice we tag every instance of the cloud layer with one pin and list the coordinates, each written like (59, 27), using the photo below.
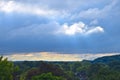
(67, 26)
(13, 6)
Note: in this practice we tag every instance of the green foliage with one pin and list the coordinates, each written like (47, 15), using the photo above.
(107, 59)
(106, 68)
(100, 71)
(84, 66)
(44, 68)
(7, 69)
(47, 76)
(31, 72)
(23, 76)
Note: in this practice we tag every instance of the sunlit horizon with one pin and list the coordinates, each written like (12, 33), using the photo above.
(53, 56)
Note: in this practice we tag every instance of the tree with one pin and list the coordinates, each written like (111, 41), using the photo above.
(45, 68)
(47, 76)
(101, 71)
(7, 69)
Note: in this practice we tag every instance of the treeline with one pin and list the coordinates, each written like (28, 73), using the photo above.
(99, 69)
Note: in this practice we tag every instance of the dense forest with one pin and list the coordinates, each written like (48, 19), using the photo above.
(104, 68)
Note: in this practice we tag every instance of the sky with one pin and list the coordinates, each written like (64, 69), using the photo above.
(59, 27)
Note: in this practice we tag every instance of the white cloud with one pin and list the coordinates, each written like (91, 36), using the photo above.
(79, 28)
(55, 8)
(12, 6)
(91, 13)
(58, 10)
(97, 29)
(73, 29)
(95, 13)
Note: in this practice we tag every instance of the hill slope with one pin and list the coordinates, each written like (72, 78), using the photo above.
(107, 59)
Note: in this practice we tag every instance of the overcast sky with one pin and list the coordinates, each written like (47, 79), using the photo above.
(63, 26)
